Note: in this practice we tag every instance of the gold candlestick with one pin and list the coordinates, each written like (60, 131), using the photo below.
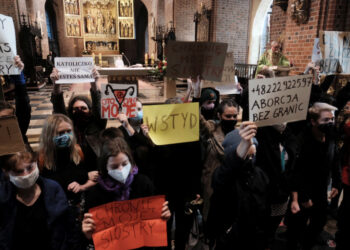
(146, 59)
(100, 59)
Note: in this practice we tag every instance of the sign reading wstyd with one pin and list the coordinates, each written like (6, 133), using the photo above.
(186, 59)
(172, 123)
(118, 98)
(277, 100)
(8, 48)
(74, 69)
(130, 224)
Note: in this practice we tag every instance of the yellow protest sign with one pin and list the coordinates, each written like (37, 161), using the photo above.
(172, 123)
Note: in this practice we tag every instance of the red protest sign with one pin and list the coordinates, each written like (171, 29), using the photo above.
(130, 224)
(118, 98)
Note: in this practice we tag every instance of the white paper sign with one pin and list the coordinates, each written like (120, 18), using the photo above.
(277, 100)
(335, 47)
(74, 69)
(118, 98)
(316, 51)
(8, 48)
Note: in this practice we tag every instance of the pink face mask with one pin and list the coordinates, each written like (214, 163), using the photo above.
(208, 106)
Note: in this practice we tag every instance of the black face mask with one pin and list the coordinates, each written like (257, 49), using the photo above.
(208, 113)
(228, 125)
(326, 128)
(81, 119)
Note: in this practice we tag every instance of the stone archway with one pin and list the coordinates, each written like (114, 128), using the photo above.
(257, 30)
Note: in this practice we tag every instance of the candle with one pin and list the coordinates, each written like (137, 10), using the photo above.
(152, 59)
(146, 59)
(93, 57)
(100, 59)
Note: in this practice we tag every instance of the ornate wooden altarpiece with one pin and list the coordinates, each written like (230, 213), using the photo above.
(202, 21)
(101, 23)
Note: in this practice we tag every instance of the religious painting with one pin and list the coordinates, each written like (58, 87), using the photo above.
(300, 11)
(71, 7)
(100, 25)
(202, 25)
(73, 26)
(126, 8)
(126, 29)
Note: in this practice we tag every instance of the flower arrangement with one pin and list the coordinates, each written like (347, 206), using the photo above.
(159, 70)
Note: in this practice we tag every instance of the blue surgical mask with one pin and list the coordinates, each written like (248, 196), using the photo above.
(140, 114)
(63, 141)
(137, 119)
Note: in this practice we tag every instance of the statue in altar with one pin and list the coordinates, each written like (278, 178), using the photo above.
(99, 22)
(121, 8)
(77, 27)
(76, 8)
(131, 12)
(71, 8)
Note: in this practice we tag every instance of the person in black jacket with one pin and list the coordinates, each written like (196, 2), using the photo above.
(238, 210)
(318, 162)
(276, 155)
(23, 108)
(86, 117)
(34, 210)
(119, 181)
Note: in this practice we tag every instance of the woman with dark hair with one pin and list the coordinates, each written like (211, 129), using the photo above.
(119, 180)
(34, 210)
(86, 117)
(212, 133)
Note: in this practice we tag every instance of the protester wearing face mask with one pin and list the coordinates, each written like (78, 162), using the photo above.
(120, 180)
(212, 134)
(61, 158)
(276, 155)
(342, 235)
(238, 210)
(318, 162)
(86, 117)
(208, 98)
(34, 210)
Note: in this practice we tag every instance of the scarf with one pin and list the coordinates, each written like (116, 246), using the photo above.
(121, 191)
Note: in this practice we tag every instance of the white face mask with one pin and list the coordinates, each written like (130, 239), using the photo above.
(25, 181)
(120, 175)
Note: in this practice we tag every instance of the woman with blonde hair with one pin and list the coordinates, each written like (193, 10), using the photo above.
(61, 158)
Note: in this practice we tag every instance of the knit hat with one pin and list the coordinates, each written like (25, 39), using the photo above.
(208, 94)
(232, 141)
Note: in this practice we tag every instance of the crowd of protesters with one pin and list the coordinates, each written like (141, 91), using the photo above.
(235, 185)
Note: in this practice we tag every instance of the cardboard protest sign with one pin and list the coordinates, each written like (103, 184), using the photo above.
(11, 140)
(186, 59)
(335, 48)
(130, 224)
(117, 98)
(277, 100)
(74, 69)
(8, 48)
(228, 83)
(172, 123)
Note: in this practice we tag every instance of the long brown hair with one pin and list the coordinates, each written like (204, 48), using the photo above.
(47, 147)
(113, 148)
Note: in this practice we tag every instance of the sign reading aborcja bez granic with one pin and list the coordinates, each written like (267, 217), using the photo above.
(74, 69)
(277, 100)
